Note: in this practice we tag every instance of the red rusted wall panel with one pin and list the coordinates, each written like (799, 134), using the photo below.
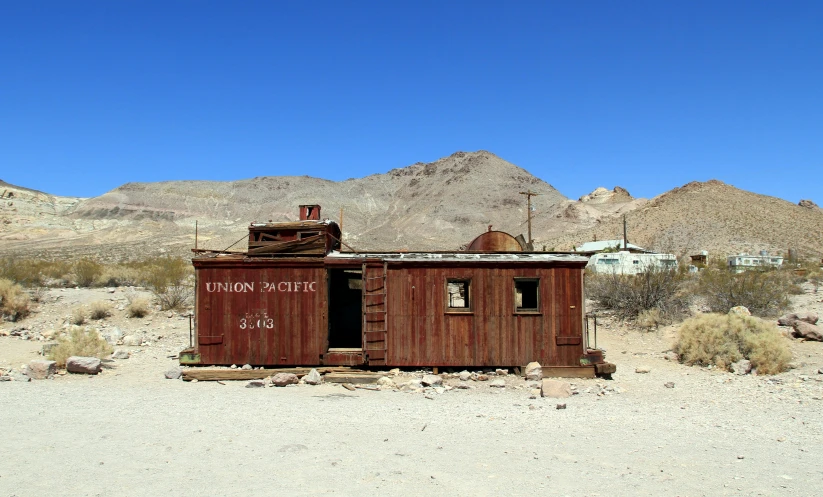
(422, 332)
(266, 314)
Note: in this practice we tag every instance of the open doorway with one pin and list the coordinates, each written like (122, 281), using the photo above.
(345, 309)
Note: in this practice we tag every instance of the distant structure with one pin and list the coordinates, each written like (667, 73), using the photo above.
(624, 262)
(591, 248)
(743, 262)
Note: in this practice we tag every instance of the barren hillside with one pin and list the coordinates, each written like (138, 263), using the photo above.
(716, 217)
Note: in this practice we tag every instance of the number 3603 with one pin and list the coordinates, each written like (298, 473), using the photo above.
(250, 324)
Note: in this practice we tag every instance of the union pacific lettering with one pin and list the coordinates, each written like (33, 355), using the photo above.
(261, 287)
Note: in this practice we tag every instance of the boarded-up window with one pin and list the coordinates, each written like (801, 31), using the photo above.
(458, 295)
(527, 294)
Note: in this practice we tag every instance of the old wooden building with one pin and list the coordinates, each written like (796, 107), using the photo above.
(294, 298)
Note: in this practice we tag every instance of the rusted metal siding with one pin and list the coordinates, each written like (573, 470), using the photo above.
(494, 241)
(251, 323)
(423, 332)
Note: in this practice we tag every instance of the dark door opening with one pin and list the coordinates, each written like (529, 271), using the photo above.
(345, 309)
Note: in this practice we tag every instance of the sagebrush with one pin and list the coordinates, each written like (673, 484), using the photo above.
(169, 279)
(723, 339)
(14, 301)
(763, 292)
(138, 307)
(658, 288)
(99, 310)
(83, 342)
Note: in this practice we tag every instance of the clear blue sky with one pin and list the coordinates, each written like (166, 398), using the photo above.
(646, 95)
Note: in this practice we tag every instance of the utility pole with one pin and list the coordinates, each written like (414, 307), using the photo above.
(529, 194)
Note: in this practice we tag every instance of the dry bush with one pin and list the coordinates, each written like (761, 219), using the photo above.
(99, 310)
(764, 293)
(629, 295)
(169, 279)
(650, 318)
(14, 301)
(78, 316)
(138, 307)
(723, 339)
(118, 275)
(86, 272)
(83, 342)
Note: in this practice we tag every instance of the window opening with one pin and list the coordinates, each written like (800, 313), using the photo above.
(458, 293)
(527, 295)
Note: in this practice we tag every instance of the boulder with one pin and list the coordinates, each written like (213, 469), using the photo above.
(501, 372)
(802, 329)
(807, 204)
(41, 370)
(555, 389)
(741, 367)
(498, 383)
(173, 374)
(246, 367)
(83, 365)
(643, 369)
(740, 310)
(283, 379)
(534, 371)
(313, 378)
(790, 319)
(465, 376)
(121, 354)
(432, 380)
(131, 341)
(385, 381)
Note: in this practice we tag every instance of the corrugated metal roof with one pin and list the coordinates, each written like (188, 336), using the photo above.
(604, 245)
(460, 257)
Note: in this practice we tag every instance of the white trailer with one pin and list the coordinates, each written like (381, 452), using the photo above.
(629, 263)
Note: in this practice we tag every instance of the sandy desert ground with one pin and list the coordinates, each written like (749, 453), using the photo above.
(129, 431)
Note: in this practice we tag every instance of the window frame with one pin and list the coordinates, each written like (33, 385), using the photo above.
(529, 310)
(469, 298)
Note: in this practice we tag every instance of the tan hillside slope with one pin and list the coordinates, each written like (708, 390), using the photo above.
(425, 206)
(716, 217)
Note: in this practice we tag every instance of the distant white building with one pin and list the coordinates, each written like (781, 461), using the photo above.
(611, 245)
(742, 262)
(625, 262)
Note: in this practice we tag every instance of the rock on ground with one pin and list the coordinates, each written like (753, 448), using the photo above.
(643, 369)
(555, 389)
(740, 310)
(83, 365)
(313, 378)
(432, 380)
(41, 370)
(385, 381)
(131, 341)
(790, 319)
(465, 376)
(173, 374)
(534, 371)
(121, 354)
(283, 379)
(498, 383)
(256, 384)
(802, 329)
(741, 367)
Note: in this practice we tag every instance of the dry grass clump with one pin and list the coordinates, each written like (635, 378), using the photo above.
(764, 293)
(138, 307)
(723, 339)
(78, 316)
(659, 289)
(650, 318)
(86, 272)
(14, 301)
(99, 310)
(169, 279)
(118, 275)
(83, 342)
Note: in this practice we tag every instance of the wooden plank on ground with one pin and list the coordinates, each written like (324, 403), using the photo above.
(214, 374)
(568, 372)
(352, 377)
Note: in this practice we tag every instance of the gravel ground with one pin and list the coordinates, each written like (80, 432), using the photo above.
(129, 431)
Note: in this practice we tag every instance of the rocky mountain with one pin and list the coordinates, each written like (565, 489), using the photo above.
(440, 205)
(716, 217)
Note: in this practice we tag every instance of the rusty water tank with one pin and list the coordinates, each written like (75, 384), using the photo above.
(494, 241)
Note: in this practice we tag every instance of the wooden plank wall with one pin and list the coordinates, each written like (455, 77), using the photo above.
(287, 326)
(422, 332)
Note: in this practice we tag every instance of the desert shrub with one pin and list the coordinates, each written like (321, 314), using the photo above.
(138, 307)
(117, 275)
(86, 272)
(21, 271)
(650, 318)
(723, 339)
(764, 293)
(99, 310)
(84, 342)
(78, 316)
(14, 301)
(37, 293)
(169, 279)
(630, 295)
